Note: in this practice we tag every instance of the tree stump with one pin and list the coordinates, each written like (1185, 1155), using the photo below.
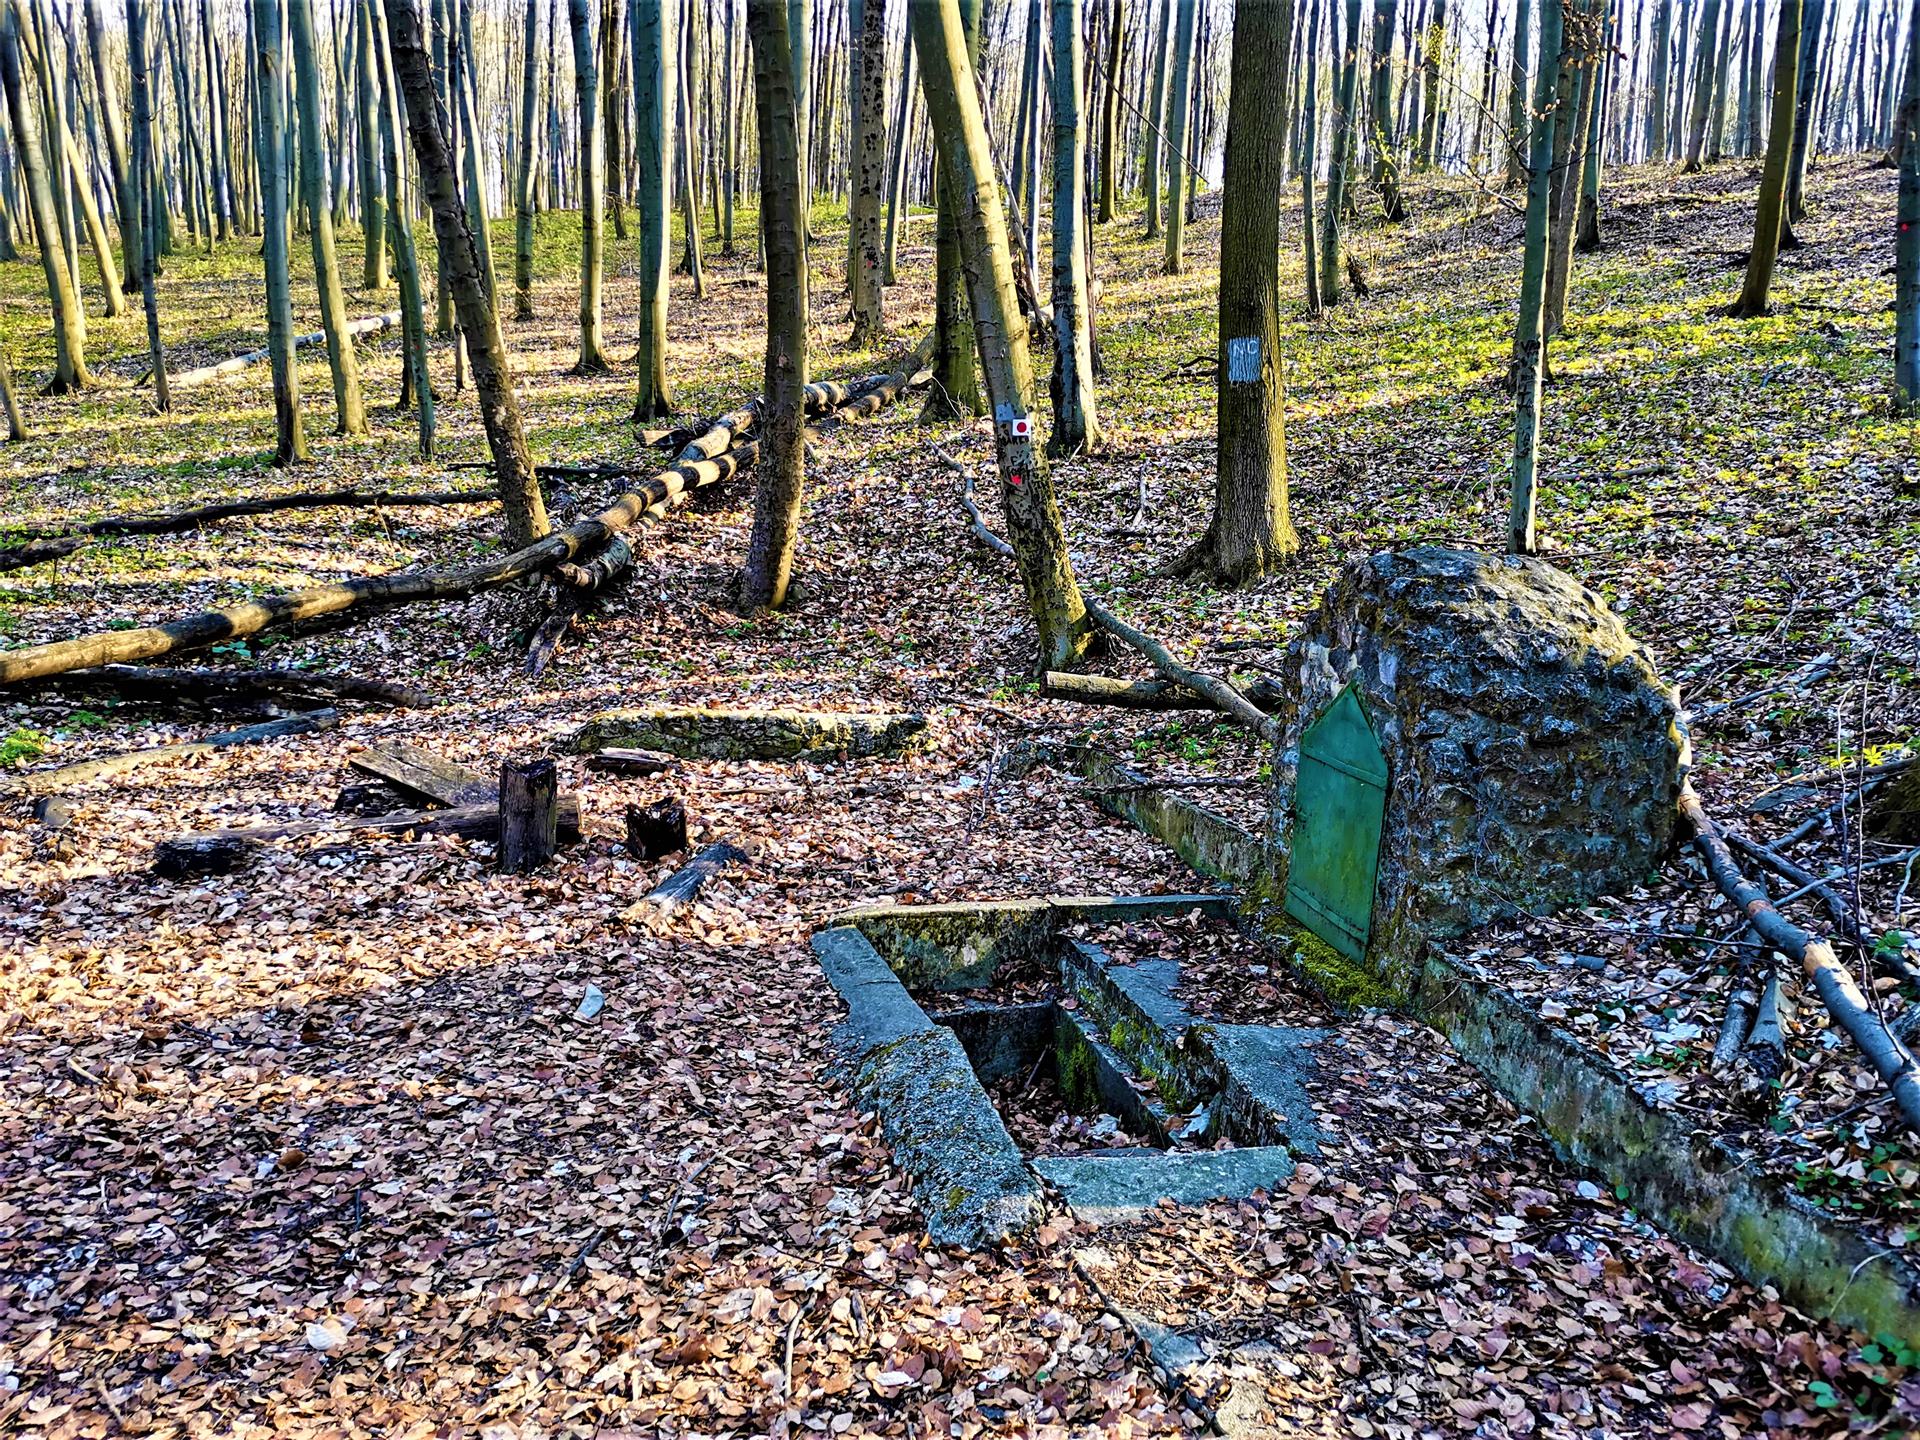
(657, 829)
(529, 814)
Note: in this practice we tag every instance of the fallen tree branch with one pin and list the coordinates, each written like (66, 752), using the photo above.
(39, 552)
(175, 522)
(206, 687)
(1218, 693)
(1264, 695)
(1890, 1059)
(43, 782)
(1842, 914)
(372, 325)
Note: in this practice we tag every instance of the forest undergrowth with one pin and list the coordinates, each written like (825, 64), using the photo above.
(320, 1147)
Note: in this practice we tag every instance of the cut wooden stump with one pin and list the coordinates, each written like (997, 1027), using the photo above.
(44, 782)
(178, 857)
(657, 829)
(685, 884)
(616, 761)
(775, 734)
(529, 814)
(425, 775)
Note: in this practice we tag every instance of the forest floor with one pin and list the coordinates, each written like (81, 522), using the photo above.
(319, 1148)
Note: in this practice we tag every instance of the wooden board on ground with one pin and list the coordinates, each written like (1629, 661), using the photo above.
(418, 772)
(685, 884)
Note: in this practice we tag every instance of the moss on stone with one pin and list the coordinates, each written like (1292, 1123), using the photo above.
(1348, 983)
(1077, 1083)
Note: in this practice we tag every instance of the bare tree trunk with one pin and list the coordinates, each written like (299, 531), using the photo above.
(270, 70)
(1179, 104)
(1770, 212)
(777, 497)
(520, 499)
(351, 414)
(1076, 424)
(523, 189)
(586, 91)
(141, 259)
(1529, 341)
(406, 261)
(867, 257)
(1032, 514)
(116, 144)
(897, 202)
(653, 69)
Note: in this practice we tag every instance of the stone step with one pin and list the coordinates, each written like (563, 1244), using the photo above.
(1105, 1189)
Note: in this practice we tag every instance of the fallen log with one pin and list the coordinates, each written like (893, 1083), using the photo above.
(1216, 692)
(1264, 695)
(372, 325)
(43, 782)
(1890, 1059)
(740, 734)
(609, 566)
(649, 501)
(176, 522)
(207, 687)
(39, 552)
(683, 887)
(184, 856)
(425, 775)
(615, 760)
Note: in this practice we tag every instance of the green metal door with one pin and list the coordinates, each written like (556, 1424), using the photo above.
(1339, 803)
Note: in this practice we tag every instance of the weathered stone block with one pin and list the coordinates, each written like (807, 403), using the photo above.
(778, 734)
(1534, 755)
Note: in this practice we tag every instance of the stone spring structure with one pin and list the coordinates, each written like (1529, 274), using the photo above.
(1511, 750)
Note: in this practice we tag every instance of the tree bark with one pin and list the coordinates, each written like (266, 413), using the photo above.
(777, 497)
(1251, 532)
(276, 196)
(373, 195)
(350, 413)
(1076, 424)
(867, 258)
(70, 371)
(1770, 211)
(653, 68)
(1529, 340)
(1032, 515)
(520, 499)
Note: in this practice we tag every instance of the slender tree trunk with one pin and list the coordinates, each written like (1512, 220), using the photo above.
(1157, 119)
(524, 206)
(1386, 166)
(1581, 45)
(1704, 64)
(782, 473)
(800, 50)
(689, 168)
(1251, 532)
(1032, 515)
(351, 414)
(1812, 28)
(219, 174)
(373, 196)
(1340, 162)
(870, 162)
(1110, 112)
(1906, 285)
(897, 202)
(1600, 77)
(652, 44)
(116, 145)
(1179, 104)
(1517, 113)
(1076, 425)
(270, 66)
(140, 262)
(1309, 158)
(730, 139)
(520, 499)
(415, 378)
(586, 91)
(1432, 102)
(1770, 213)
(956, 380)
(1529, 340)
(612, 116)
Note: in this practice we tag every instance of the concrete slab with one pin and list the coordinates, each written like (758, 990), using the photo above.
(1108, 1188)
(1264, 1073)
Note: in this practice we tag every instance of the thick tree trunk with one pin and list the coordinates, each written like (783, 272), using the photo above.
(270, 146)
(1581, 45)
(350, 413)
(1770, 212)
(520, 499)
(1813, 17)
(1432, 102)
(1179, 104)
(653, 68)
(592, 165)
(23, 114)
(956, 380)
(1250, 532)
(1529, 339)
(776, 506)
(1076, 424)
(1032, 515)
(866, 258)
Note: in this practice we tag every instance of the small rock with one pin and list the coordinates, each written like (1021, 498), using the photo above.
(1595, 963)
(1587, 1190)
(56, 812)
(591, 1003)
